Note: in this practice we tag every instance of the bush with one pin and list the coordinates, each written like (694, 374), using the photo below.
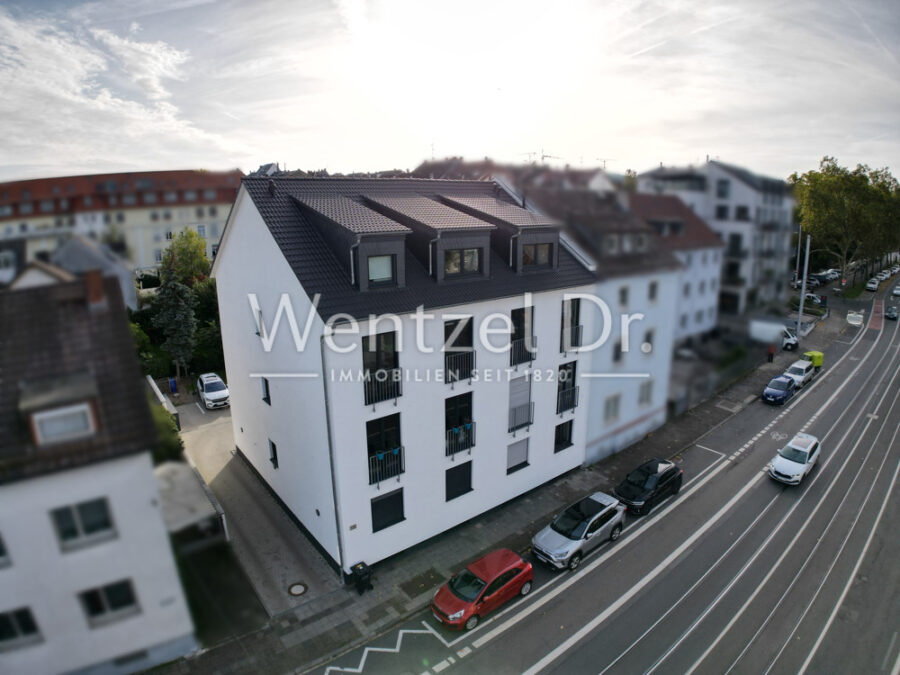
(733, 355)
(169, 445)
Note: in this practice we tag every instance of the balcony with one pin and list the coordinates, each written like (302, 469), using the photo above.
(522, 350)
(569, 338)
(385, 464)
(460, 438)
(521, 416)
(738, 253)
(734, 281)
(383, 385)
(458, 366)
(566, 399)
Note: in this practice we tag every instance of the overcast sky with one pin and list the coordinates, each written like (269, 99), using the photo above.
(349, 85)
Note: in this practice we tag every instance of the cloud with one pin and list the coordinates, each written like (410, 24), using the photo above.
(146, 63)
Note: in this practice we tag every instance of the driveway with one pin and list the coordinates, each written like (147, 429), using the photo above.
(272, 550)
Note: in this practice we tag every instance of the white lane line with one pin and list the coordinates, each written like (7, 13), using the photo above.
(781, 524)
(438, 667)
(696, 583)
(703, 447)
(199, 407)
(368, 650)
(634, 590)
(890, 650)
(852, 576)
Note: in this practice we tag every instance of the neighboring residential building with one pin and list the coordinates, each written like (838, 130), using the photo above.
(698, 248)
(88, 583)
(80, 254)
(373, 467)
(12, 259)
(137, 212)
(753, 215)
(39, 273)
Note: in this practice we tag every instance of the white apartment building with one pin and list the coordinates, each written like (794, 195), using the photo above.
(88, 583)
(754, 217)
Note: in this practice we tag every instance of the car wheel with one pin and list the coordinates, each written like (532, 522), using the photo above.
(471, 622)
(526, 588)
(574, 562)
(616, 531)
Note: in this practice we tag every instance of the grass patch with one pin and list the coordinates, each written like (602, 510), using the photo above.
(855, 291)
(732, 356)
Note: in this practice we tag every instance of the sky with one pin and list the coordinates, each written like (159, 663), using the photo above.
(347, 85)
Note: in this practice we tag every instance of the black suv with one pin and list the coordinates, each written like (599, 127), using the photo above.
(648, 485)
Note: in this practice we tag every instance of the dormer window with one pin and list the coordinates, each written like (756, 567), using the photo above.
(611, 244)
(382, 270)
(536, 255)
(461, 261)
(63, 424)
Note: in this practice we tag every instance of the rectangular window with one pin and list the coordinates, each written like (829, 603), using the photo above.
(536, 255)
(459, 428)
(170, 196)
(571, 325)
(617, 352)
(168, 234)
(273, 454)
(517, 456)
(120, 217)
(4, 554)
(562, 438)
(521, 408)
(26, 208)
(109, 603)
(201, 231)
(522, 340)
(462, 261)
(722, 212)
(566, 391)
(385, 451)
(157, 255)
(387, 510)
(83, 524)
(686, 291)
(742, 213)
(46, 206)
(698, 316)
(209, 195)
(149, 197)
(265, 390)
(190, 195)
(380, 353)
(723, 188)
(623, 296)
(381, 269)
(648, 340)
(212, 211)
(129, 199)
(63, 424)
(18, 629)
(458, 481)
(611, 409)
(645, 393)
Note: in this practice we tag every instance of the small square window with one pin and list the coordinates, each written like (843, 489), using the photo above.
(68, 423)
(18, 629)
(536, 255)
(109, 603)
(462, 261)
(381, 269)
(458, 481)
(722, 212)
(273, 454)
(387, 510)
(83, 524)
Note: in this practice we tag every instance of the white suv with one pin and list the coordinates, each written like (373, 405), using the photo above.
(795, 460)
(212, 391)
(801, 372)
(872, 285)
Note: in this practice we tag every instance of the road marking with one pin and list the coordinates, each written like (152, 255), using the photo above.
(464, 652)
(387, 650)
(890, 649)
(703, 447)
(438, 667)
(634, 590)
(199, 407)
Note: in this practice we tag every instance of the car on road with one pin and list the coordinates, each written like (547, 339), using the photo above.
(212, 391)
(579, 529)
(779, 390)
(795, 460)
(648, 485)
(896, 290)
(872, 285)
(482, 587)
(801, 372)
(891, 313)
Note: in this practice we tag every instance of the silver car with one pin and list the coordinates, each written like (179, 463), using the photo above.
(578, 530)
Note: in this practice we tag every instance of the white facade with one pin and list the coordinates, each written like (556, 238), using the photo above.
(697, 294)
(47, 578)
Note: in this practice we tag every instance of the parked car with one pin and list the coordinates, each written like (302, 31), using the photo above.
(895, 269)
(813, 298)
(481, 588)
(801, 372)
(891, 313)
(795, 460)
(884, 275)
(896, 290)
(578, 530)
(648, 485)
(212, 391)
(812, 282)
(779, 390)
(872, 285)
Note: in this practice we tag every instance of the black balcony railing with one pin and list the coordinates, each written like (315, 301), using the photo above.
(521, 416)
(566, 399)
(385, 464)
(460, 438)
(522, 350)
(458, 366)
(382, 385)
(569, 338)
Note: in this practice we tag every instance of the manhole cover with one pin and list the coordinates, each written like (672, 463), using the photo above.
(297, 589)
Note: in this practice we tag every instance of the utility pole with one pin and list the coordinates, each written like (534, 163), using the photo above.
(799, 241)
(803, 288)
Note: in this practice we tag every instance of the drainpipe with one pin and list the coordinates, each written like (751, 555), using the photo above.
(430, 259)
(515, 236)
(352, 267)
(334, 496)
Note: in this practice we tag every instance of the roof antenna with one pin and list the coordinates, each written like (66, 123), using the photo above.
(271, 188)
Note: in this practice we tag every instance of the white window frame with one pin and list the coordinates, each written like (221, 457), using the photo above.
(110, 615)
(21, 640)
(611, 407)
(45, 415)
(83, 539)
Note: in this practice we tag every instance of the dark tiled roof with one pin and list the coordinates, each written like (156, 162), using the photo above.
(319, 270)
(352, 216)
(432, 214)
(695, 234)
(50, 332)
(756, 181)
(505, 211)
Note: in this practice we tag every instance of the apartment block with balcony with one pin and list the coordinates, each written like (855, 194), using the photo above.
(436, 371)
(753, 215)
(88, 582)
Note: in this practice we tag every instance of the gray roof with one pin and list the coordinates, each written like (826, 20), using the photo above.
(432, 214)
(351, 215)
(319, 270)
(504, 210)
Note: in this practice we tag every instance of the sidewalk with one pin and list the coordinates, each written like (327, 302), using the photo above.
(340, 619)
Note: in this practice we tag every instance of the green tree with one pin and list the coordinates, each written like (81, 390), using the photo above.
(207, 302)
(175, 318)
(169, 445)
(185, 260)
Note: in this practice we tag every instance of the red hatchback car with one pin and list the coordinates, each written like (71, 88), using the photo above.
(481, 588)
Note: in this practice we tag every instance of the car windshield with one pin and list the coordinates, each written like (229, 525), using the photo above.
(793, 455)
(642, 480)
(215, 386)
(795, 370)
(465, 586)
(779, 384)
(570, 523)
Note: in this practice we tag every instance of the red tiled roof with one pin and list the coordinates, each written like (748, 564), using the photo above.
(669, 208)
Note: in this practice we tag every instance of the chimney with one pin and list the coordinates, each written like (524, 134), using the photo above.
(271, 188)
(93, 283)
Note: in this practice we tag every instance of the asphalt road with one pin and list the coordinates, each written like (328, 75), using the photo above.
(737, 573)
